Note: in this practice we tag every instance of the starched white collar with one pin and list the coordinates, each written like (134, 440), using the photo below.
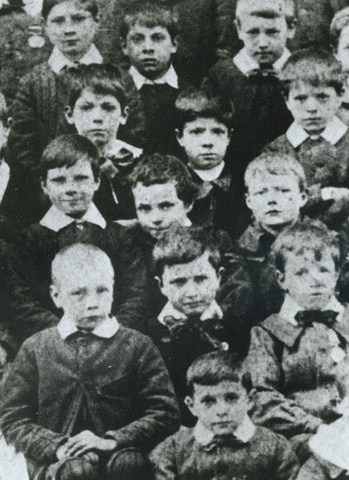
(57, 60)
(106, 329)
(55, 220)
(170, 78)
(245, 63)
(334, 131)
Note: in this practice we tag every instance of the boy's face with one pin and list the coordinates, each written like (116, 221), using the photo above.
(264, 38)
(96, 117)
(150, 50)
(313, 107)
(310, 281)
(220, 408)
(71, 29)
(86, 295)
(205, 141)
(275, 199)
(71, 189)
(158, 207)
(342, 53)
(191, 287)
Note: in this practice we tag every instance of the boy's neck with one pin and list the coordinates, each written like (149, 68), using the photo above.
(276, 229)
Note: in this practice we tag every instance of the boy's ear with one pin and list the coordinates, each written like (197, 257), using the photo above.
(54, 292)
(158, 281)
(188, 401)
(291, 28)
(280, 277)
(248, 200)
(238, 28)
(220, 273)
(125, 115)
(304, 197)
(124, 47)
(68, 113)
(179, 135)
(188, 207)
(43, 185)
(174, 44)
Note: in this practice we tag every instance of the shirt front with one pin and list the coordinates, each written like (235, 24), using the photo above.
(107, 329)
(170, 78)
(334, 131)
(246, 64)
(57, 61)
(211, 174)
(213, 311)
(243, 432)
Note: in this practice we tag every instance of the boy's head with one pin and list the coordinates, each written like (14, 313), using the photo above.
(149, 36)
(262, 27)
(69, 171)
(306, 258)
(4, 122)
(187, 264)
(339, 31)
(97, 103)
(82, 284)
(71, 25)
(313, 84)
(276, 189)
(218, 392)
(163, 193)
(203, 128)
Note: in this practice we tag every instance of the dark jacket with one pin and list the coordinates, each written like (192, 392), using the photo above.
(116, 387)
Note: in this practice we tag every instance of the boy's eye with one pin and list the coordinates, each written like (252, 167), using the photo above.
(144, 208)
(272, 31)
(200, 278)
(179, 282)
(58, 20)
(253, 31)
(165, 205)
(300, 98)
(108, 107)
(138, 38)
(77, 293)
(230, 397)
(58, 180)
(81, 178)
(196, 131)
(208, 400)
(301, 272)
(79, 18)
(102, 289)
(86, 106)
(322, 97)
(218, 131)
(158, 37)
(324, 270)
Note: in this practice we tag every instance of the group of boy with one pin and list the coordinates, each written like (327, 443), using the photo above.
(152, 291)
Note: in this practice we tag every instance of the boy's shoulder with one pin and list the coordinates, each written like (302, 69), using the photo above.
(255, 243)
(42, 70)
(178, 443)
(280, 144)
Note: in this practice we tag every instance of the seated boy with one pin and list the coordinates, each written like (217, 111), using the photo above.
(203, 131)
(164, 195)
(188, 266)
(298, 358)
(88, 398)
(250, 81)
(98, 108)
(276, 193)
(224, 443)
(313, 84)
(149, 37)
(69, 171)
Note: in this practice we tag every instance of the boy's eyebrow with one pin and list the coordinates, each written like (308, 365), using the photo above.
(178, 279)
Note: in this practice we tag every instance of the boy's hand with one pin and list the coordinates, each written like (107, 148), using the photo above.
(84, 442)
(334, 193)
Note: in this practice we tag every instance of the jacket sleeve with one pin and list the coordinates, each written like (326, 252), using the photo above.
(157, 408)
(163, 460)
(18, 410)
(270, 407)
(286, 462)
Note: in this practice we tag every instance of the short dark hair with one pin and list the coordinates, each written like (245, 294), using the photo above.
(150, 15)
(339, 21)
(216, 367)
(192, 104)
(181, 244)
(88, 5)
(66, 151)
(316, 67)
(160, 169)
(101, 79)
(311, 235)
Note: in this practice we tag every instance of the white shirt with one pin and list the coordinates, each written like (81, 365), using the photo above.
(245, 63)
(106, 329)
(170, 78)
(211, 174)
(214, 310)
(334, 131)
(55, 220)
(244, 432)
(57, 60)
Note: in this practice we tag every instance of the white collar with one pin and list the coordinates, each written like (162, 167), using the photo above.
(334, 131)
(210, 175)
(116, 145)
(107, 329)
(55, 220)
(170, 77)
(57, 60)
(244, 432)
(290, 309)
(245, 63)
(214, 310)
(4, 178)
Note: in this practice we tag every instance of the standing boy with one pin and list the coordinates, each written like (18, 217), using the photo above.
(86, 399)
(224, 443)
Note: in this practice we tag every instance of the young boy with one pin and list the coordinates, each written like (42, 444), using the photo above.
(313, 84)
(164, 194)
(250, 81)
(69, 173)
(298, 358)
(203, 131)
(188, 269)
(98, 107)
(224, 442)
(88, 398)
(149, 36)
(39, 104)
(276, 193)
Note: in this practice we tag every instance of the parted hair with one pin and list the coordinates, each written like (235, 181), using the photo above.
(339, 21)
(308, 236)
(213, 368)
(179, 245)
(313, 66)
(66, 151)
(160, 169)
(261, 8)
(88, 5)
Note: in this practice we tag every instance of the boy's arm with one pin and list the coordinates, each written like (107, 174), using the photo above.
(18, 410)
(286, 462)
(270, 407)
(163, 460)
(155, 402)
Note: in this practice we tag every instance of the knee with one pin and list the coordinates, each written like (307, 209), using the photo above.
(79, 468)
(129, 464)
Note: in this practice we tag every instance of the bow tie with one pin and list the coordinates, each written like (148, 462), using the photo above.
(308, 317)
(229, 440)
(263, 72)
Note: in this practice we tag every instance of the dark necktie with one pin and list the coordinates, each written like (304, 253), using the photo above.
(263, 72)
(308, 317)
(223, 441)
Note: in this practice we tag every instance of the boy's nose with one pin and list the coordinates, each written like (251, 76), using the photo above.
(263, 41)
(148, 45)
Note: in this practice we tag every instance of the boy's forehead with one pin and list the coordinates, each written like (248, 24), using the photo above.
(275, 8)
(223, 387)
(76, 274)
(262, 179)
(87, 94)
(304, 87)
(204, 122)
(304, 256)
(200, 265)
(146, 28)
(83, 165)
(157, 192)
(67, 7)
(249, 21)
